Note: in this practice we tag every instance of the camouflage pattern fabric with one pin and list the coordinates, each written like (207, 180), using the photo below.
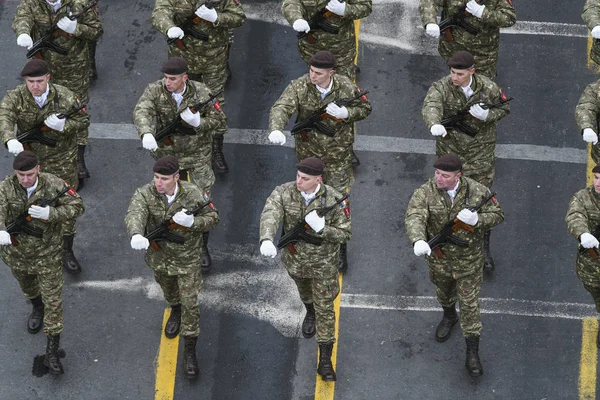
(18, 108)
(321, 293)
(36, 18)
(591, 17)
(444, 100)
(183, 289)
(485, 44)
(595, 292)
(586, 114)
(156, 109)
(301, 97)
(343, 44)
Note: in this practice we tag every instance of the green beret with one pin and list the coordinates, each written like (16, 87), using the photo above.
(311, 166)
(167, 165)
(462, 60)
(448, 163)
(322, 59)
(175, 66)
(35, 68)
(25, 161)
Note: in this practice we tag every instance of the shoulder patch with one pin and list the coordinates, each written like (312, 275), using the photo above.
(346, 207)
(217, 104)
(71, 190)
(502, 95)
(509, 2)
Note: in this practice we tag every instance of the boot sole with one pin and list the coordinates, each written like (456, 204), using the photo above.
(34, 331)
(308, 336)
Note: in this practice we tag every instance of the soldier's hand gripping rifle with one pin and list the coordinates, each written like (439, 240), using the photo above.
(36, 134)
(21, 226)
(319, 21)
(458, 21)
(457, 121)
(164, 231)
(313, 121)
(178, 126)
(300, 232)
(190, 27)
(46, 42)
(593, 251)
(446, 237)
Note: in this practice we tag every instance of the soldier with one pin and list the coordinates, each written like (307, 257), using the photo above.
(462, 90)
(460, 273)
(304, 96)
(170, 98)
(35, 261)
(591, 17)
(92, 45)
(486, 19)
(207, 58)
(586, 116)
(175, 265)
(312, 267)
(35, 102)
(35, 18)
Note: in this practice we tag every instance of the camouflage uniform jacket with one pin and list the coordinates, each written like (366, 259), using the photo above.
(587, 111)
(36, 18)
(430, 209)
(31, 252)
(18, 108)
(591, 17)
(156, 108)
(148, 209)
(445, 100)
(310, 261)
(583, 215)
(302, 97)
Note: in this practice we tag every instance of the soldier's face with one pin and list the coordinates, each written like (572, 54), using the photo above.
(461, 77)
(446, 180)
(175, 83)
(597, 182)
(27, 178)
(165, 184)
(37, 85)
(320, 76)
(307, 183)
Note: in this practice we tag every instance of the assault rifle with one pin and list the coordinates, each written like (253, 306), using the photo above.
(36, 134)
(21, 226)
(313, 121)
(319, 21)
(300, 231)
(457, 121)
(164, 230)
(593, 251)
(190, 27)
(445, 236)
(458, 21)
(47, 41)
(177, 127)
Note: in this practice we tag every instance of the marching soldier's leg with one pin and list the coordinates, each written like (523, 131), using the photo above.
(189, 287)
(445, 288)
(306, 295)
(92, 44)
(215, 78)
(170, 288)
(206, 259)
(595, 292)
(31, 289)
(228, 69)
(204, 178)
(488, 261)
(596, 153)
(69, 262)
(325, 290)
(51, 284)
(341, 180)
(468, 289)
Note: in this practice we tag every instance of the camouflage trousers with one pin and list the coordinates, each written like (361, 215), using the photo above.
(344, 53)
(210, 67)
(183, 289)
(203, 177)
(78, 81)
(49, 285)
(595, 292)
(321, 292)
(595, 51)
(596, 151)
(340, 180)
(486, 57)
(466, 289)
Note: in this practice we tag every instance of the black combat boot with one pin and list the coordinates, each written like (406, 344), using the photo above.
(488, 261)
(36, 318)
(325, 368)
(343, 266)
(190, 363)
(444, 328)
(218, 156)
(473, 364)
(70, 263)
(52, 358)
(92, 50)
(81, 168)
(308, 325)
(174, 322)
(206, 262)
(355, 160)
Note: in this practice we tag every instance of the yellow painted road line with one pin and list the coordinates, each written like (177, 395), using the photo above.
(166, 364)
(588, 362)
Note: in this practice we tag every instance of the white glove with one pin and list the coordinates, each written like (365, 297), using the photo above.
(14, 146)
(207, 14)
(315, 222)
(148, 142)
(432, 30)
(468, 217)
(183, 219)
(300, 25)
(478, 112)
(39, 212)
(24, 40)
(4, 238)
(67, 25)
(277, 137)
(138, 242)
(421, 248)
(336, 7)
(337, 111)
(175, 32)
(438, 130)
(475, 9)
(588, 240)
(590, 136)
(53, 122)
(595, 32)
(268, 249)
(191, 118)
